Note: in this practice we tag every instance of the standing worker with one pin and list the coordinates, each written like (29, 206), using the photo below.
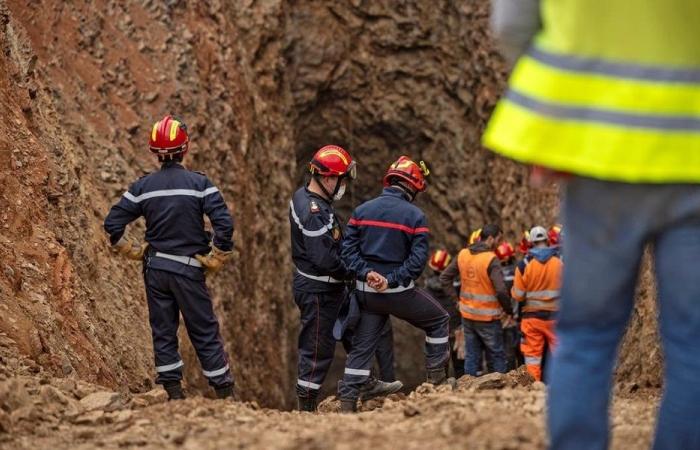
(537, 284)
(319, 287)
(608, 92)
(387, 247)
(439, 261)
(484, 301)
(177, 256)
(511, 339)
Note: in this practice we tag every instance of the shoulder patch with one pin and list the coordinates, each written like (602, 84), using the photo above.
(199, 172)
(314, 207)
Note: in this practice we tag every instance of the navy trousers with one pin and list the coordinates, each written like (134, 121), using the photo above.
(414, 306)
(316, 344)
(384, 353)
(168, 295)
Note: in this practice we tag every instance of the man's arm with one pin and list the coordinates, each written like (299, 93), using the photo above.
(518, 291)
(514, 24)
(414, 265)
(125, 211)
(496, 276)
(220, 217)
(449, 274)
(351, 255)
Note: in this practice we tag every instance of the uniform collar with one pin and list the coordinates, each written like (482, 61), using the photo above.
(171, 165)
(394, 192)
(315, 195)
(479, 247)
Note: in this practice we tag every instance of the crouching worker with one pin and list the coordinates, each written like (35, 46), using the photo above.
(387, 248)
(177, 256)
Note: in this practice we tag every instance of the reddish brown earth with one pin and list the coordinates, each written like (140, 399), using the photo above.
(261, 85)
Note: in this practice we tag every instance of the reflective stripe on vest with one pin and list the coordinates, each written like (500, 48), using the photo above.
(589, 101)
(478, 299)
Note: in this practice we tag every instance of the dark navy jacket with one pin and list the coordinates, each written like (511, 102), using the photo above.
(316, 235)
(173, 201)
(389, 235)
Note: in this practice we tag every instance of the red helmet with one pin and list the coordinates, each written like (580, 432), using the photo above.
(333, 161)
(169, 137)
(407, 170)
(525, 245)
(440, 260)
(554, 234)
(505, 251)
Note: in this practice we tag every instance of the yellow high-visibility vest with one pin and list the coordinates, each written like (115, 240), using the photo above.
(610, 89)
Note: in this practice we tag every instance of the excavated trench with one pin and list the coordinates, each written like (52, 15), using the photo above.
(261, 85)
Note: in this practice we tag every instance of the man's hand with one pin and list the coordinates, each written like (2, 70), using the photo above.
(507, 321)
(130, 249)
(214, 260)
(377, 281)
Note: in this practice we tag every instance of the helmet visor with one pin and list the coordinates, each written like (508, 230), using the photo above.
(352, 170)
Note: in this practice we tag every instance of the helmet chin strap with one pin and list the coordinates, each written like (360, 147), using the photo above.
(329, 196)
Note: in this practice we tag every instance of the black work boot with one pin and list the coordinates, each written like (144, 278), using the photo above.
(437, 376)
(223, 392)
(378, 388)
(348, 406)
(174, 390)
(306, 404)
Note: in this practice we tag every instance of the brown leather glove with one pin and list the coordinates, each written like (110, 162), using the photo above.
(130, 249)
(214, 260)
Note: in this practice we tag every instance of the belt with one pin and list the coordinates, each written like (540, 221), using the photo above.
(543, 315)
(363, 287)
(324, 279)
(181, 259)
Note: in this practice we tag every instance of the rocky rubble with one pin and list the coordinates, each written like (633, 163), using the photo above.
(497, 411)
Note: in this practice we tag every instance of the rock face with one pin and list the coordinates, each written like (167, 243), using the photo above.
(261, 85)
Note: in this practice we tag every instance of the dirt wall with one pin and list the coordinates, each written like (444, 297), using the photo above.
(261, 85)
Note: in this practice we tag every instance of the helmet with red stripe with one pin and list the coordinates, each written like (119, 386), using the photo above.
(439, 260)
(169, 137)
(505, 251)
(333, 161)
(474, 237)
(525, 245)
(405, 169)
(554, 234)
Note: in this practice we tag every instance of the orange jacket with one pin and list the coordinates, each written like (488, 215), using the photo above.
(478, 299)
(538, 281)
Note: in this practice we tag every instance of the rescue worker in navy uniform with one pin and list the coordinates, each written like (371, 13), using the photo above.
(387, 247)
(177, 257)
(319, 281)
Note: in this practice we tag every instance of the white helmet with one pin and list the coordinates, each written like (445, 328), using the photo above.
(538, 234)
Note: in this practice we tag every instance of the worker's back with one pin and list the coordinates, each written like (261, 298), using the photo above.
(609, 89)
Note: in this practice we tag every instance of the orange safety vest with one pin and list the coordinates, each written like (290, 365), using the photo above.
(477, 299)
(539, 285)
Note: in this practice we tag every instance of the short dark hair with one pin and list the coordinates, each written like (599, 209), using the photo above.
(490, 230)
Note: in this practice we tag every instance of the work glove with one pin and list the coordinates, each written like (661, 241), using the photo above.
(214, 260)
(130, 249)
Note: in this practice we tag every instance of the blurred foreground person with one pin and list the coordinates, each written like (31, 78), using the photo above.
(609, 92)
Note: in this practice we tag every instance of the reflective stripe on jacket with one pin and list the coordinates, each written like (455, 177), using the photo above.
(589, 100)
